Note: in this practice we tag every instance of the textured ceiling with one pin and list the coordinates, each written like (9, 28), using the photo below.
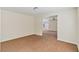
(40, 10)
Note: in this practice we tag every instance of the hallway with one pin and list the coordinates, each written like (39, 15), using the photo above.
(50, 34)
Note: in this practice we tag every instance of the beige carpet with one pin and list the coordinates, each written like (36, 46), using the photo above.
(34, 43)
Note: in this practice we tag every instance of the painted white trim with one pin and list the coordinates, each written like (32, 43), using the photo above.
(14, 38)
(78, 47)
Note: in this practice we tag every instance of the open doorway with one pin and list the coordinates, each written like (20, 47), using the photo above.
(50, 27)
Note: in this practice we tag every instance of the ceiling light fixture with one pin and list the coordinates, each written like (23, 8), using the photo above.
(35, 9)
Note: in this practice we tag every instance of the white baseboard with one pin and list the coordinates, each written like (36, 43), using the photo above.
(39, 34)
(12, 38)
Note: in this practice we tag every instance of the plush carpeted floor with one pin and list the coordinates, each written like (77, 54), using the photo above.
(34, 43)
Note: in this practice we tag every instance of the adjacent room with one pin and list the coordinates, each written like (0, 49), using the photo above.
(39, 29)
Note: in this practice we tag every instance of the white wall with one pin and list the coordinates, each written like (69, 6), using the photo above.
(78, 21)
(67, 26)
(0, 24)
(38, 24)
(16, 25)
(78, 25)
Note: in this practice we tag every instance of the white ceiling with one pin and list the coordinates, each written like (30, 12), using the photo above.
(41, 10)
